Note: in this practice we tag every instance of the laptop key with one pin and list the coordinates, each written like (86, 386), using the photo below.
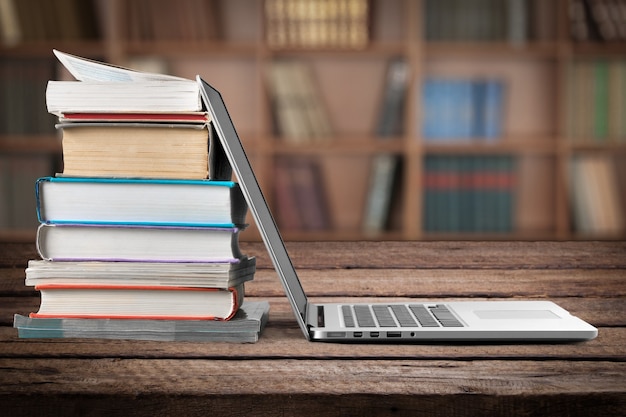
(445, 316)
(364, 316)
(348, 319)
(423, 316)
(383, 315)
(403, 315)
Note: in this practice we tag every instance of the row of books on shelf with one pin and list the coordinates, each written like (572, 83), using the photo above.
(153, 238)
(22, 96)
(597, 20)
(299, 113)
(515, 21)
(72, 20)
(454, 109)
(597, 101)
(300, 195)
(163, 20)
(469, 193)
(45, 20)
(317, 23)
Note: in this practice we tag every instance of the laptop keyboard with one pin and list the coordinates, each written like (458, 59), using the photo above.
(399, 315)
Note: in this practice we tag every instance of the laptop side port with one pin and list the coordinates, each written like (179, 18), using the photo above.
(394, 334)
(357, 334)
(374, 334)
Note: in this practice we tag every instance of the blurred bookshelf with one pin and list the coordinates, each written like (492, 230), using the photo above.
(362, 118)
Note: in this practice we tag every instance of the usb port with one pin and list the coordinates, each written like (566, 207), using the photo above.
(357, 334)
(374, 334)
(394, 334)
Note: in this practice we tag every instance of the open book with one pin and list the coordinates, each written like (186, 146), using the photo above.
(102, 88)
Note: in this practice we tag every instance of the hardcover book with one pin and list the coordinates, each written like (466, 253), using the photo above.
(137, 243)
(163, 202)
(138, 301)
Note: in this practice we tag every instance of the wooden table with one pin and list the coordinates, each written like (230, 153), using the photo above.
(283, 374)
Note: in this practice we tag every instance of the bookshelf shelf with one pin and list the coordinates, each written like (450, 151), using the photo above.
(236, 57)
(201, 49)
(501, 50)
(44, 48)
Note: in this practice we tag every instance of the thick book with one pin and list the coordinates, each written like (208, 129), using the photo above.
(245, 327)
(148, 150)
(138, 302)
(183, 274)
(78, 242)
(106, 88)
(140, 201)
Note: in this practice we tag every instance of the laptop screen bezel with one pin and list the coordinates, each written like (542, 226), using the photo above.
(257, 204)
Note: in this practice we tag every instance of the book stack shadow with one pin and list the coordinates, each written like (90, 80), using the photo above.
(139, 235)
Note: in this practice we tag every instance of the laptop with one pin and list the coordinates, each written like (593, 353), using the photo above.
(520, 321)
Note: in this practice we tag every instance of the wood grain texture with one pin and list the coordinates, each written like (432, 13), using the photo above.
(283, 374)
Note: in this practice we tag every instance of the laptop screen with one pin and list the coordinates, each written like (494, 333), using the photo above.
(254, 197)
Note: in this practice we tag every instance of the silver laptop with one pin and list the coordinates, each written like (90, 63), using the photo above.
(521, 321)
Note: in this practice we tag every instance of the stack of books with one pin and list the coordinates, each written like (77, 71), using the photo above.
(143, 223)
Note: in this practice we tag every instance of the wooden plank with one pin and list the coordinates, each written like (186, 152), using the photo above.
(450, 255)
(601, 312)
(416, 255)
(285, 341)
(322, 387)
(418, 283)
(445, 283)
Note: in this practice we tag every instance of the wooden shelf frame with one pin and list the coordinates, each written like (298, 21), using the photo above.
(251, 53)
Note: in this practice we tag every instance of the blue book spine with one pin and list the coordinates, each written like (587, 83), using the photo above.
(493, 109)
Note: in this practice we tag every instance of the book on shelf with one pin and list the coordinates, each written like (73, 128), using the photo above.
(596, 101)
(137, 301)
(18, 173)
(22, 96)
(244, 327)
(597, 20)
(514, 21)
(461, 109)
(151, 21)
(469, 193)
(137, 243)
(385, 167)
(297, 105)
(300, 195)
(595, 196)
(140, 201)
(185, 274)
(37, 20)
(317, 24)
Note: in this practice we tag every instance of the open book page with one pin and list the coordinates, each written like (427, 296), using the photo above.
(88, 70)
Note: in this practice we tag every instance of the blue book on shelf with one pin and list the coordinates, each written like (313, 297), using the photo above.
(430, 111)
(493, 109)
(140, 202)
